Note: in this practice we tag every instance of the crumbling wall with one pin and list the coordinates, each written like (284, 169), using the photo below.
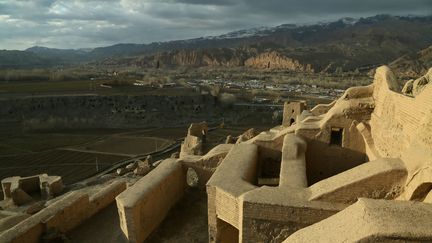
(20, 190)
(143, 206)
(371, 220)
(194, 140)
(327, 156)
(291, 111)
(204, 166)
(62, 215)
(401, 125)
(106, 196)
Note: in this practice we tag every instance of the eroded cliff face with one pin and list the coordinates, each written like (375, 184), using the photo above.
(413, 65)
(215, 57)
(224, 57)
(275, 60)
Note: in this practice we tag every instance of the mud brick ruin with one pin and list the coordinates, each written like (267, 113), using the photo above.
(355, 170)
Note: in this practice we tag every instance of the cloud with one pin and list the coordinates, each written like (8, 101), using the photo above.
(92, 23)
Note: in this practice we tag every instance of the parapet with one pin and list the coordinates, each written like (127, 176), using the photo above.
(370, 220)
(143, 206)
(62, 214)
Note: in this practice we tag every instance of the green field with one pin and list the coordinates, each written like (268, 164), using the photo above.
(46, 86)
(35, 142)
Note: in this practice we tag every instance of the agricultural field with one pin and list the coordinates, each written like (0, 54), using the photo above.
(80, 87)
(73, 166)
(15, 140)
(78, 154)
(64, 153)
(130, 145)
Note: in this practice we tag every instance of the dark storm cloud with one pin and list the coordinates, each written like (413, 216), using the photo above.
(91, 23)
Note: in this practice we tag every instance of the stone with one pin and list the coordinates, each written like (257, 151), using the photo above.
(121, 171)
(246, 135)
(20, 197)
(149, 159)
(35, 207)
(142, 170)
(408, 87)
(193, 142)
(230, 139)
(21, 189)
(175, 155)
(192, 178)
(419, 85)
(131, 166)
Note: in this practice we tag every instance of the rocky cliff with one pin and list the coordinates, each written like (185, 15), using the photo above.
(218, 57)
(210, 57)
(275, 60)
(413, 65)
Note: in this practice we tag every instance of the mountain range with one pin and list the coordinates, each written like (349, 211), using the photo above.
(346, 44)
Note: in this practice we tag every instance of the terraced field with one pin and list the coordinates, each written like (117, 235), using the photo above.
(73, 166)
(129, 145)
(77, 155)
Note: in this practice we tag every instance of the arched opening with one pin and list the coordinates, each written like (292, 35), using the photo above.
(292, 120)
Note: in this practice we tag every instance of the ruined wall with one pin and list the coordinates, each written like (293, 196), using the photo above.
(291, 111)
(327, 156)
(401, 125)
(62, 215)
(273, 222)
(143, 206)
(372, 221)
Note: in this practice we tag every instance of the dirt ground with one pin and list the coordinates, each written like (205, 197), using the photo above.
(186, 222)
(104, 227)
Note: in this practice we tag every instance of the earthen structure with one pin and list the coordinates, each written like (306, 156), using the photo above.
(345, 172)
(355, 170)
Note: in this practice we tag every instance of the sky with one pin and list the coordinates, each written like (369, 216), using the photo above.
(74, 24)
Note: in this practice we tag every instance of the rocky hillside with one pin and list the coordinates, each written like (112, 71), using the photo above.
(12, 59)
(275, 60)
(220, 57)
(413, 65)
(346, 44)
